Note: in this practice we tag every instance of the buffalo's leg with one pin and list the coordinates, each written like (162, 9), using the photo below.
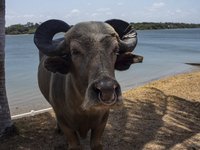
(96, 134)
(74, 143)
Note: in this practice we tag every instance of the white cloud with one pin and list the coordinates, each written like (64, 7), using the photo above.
(178, 11)
(10, 14)
(156, 6)
(182, 13)
(120, 3)
(169, 13)
(75, 11)
(14, 17)
(9, 17)
(103, 9)
(95, 14)
(89, 4)
(179, 14)
(102, 12)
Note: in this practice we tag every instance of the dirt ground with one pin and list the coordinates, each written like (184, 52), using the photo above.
(160, 115)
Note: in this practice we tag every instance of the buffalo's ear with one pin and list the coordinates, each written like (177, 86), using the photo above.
(125, 60)
(56, 64)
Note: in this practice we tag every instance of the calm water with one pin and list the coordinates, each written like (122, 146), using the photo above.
(164, 51)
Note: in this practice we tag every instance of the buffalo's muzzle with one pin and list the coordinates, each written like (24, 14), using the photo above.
(106, 90)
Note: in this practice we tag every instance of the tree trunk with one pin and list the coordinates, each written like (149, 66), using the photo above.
(6, 124)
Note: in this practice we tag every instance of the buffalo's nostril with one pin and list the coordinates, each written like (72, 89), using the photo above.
(106, 91)
(110, 102)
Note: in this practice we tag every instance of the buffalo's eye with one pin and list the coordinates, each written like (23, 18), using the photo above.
(75, 52)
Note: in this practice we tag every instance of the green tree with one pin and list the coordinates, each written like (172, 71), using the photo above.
(29, 24)
(6, 125)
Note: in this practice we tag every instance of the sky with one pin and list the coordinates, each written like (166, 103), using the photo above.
(74, 11)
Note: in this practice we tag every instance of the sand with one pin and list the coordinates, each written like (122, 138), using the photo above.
(161, 115)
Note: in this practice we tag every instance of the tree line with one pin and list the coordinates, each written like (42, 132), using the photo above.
(166, 25)
(30, 27)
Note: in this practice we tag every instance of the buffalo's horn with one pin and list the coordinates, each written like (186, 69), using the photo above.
(44, 35)
(127, 34)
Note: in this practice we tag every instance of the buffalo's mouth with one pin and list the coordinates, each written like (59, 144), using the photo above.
(108, 102)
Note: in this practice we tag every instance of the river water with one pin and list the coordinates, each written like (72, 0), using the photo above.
(165, 54)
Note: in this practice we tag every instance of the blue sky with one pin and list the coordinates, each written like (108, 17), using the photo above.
(74, 11)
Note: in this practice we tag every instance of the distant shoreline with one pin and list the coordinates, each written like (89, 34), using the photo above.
(30, 28)
(137, 30)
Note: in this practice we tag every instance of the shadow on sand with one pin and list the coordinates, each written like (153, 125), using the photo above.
(154, 120)
(149, 120)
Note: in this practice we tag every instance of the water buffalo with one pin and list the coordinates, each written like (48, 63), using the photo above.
(76, 73)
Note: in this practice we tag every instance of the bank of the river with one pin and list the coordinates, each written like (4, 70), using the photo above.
(30, 28)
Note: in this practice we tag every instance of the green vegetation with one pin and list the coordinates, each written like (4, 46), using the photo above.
(30, 27)
(166, 25)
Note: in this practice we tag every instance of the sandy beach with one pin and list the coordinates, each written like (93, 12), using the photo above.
(159, 115)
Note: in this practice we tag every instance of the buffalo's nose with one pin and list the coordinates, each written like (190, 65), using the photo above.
(106, 90)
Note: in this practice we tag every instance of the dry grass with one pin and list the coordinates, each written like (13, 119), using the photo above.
(160, 115)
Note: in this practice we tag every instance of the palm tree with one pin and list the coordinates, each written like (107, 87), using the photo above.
(6, 125)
